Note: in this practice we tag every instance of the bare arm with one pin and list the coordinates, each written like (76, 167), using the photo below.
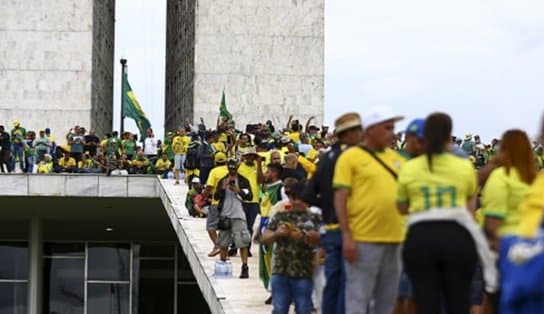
(349, 247)
(260, 174)
(308, 123)
(403, 208)
(289, 121)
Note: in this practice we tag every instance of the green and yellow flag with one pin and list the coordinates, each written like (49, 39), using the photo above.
(223, 111)
(133, 110)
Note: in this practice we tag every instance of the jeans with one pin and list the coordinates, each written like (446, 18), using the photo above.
(286, 289)
(334, 292)
(30, 164)
(17, 151)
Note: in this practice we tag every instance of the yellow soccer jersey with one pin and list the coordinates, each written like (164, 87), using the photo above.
(219, 147)
(371, 209)
(180, 144)
(163, 165)
(450, 184)
(71, 162)
(250, 173)
(532, 209)
(501, 197)
(215, 176)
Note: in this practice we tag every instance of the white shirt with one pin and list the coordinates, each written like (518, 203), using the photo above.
(150, 146)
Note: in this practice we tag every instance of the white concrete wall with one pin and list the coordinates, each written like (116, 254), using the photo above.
(268, 55)
(75, 185)
(46, 63)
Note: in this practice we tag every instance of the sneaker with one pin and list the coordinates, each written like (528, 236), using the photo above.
(233, 252)
(245, 272)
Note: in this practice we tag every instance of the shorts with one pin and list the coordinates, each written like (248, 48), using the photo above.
(178, 161)
(239, 235)
(212, 220)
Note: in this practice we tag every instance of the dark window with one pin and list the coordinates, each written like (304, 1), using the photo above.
(64, 284)
(109, 262)
(13, 298)
(156, 287)
(64, 249)
(157, 250)
(107, 298)
(190, 299)
(13, 261)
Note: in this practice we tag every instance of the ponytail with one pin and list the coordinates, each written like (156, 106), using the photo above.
(436, 134)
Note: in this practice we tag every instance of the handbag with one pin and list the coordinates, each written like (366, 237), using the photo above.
(225, 223)
(521, 264)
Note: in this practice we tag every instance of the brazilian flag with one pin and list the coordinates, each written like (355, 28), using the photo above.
(223, 111)
(133, 110)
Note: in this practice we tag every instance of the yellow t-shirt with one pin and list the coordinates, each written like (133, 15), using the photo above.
(163, 164)
(180, 144)
(215, 176)
(501, 197)
(532, 209)
(219, 147)
(450, 184)
(312, 155)
(250, 173)
(71, 162)
(294, 136)
(371, 209)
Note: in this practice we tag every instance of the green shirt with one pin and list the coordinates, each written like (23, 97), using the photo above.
(18, 135)
(129, 146)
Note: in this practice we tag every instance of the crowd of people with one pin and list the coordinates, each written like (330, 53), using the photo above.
(399, 223)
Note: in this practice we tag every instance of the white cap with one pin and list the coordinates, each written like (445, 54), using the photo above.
(378, 115)
(195, 180)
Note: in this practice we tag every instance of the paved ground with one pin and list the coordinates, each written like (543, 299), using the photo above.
(235, 295)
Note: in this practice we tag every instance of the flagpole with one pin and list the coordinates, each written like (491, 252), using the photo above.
(123, 72)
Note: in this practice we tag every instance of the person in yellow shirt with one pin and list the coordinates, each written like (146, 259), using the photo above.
(66, 164)
(365, 184)
(163, 165)
(180, 144)
(251, 169)
(508, 185)
(212, 220)
(439, 254)
(532, 207)
(140, 163)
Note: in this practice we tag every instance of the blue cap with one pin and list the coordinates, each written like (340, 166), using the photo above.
(416, 128)
(47, 130)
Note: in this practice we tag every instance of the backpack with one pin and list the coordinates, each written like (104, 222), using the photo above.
(191, 158)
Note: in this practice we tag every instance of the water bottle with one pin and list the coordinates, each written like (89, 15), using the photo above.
(170, 175)
(228, 270)
(220, 269)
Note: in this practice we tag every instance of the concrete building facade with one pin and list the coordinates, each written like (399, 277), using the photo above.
(56, 64)
(268, 56)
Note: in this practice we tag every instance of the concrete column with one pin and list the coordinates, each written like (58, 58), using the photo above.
(35, 246)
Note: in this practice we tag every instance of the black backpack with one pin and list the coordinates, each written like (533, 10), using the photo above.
(191, 158)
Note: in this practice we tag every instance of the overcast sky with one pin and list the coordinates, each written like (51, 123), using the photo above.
(480, 61)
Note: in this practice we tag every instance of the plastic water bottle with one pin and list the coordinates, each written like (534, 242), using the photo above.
(170, 175)
(220, 269)
(228, 271)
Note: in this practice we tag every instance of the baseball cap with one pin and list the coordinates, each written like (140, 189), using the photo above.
(379, 114)
(416, 128)
(220, 157)
(195, 180)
